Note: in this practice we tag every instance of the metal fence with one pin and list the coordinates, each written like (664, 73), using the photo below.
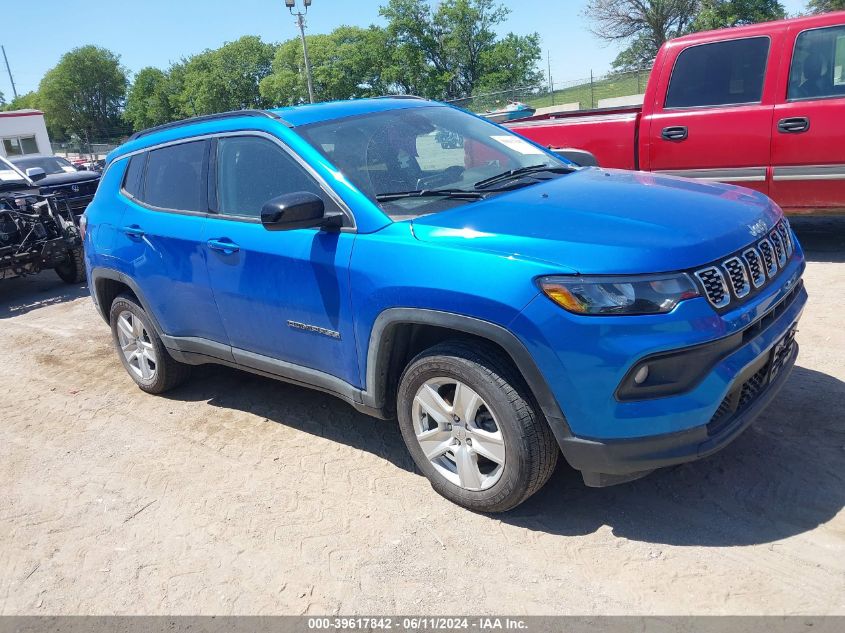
(579, 94)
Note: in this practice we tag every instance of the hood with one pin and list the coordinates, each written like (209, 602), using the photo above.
(58, 180)
(597, 221)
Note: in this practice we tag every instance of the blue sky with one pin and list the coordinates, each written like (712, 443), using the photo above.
(156, 32)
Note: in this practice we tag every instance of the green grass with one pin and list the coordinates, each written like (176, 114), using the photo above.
(588, 97)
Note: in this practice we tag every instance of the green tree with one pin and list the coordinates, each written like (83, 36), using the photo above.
(226, 78)
(642, 25)
(717, 14)
(28, 101)
(447, 52)
(2, 99)
(346, 63)
(148, 102)
(511, 62)
(84, 93)
(823, 6)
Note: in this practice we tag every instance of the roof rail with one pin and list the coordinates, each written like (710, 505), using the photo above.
(400, 97)
(208, 117)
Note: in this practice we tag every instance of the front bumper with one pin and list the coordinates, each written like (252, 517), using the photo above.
(612, 462)
(584, 360)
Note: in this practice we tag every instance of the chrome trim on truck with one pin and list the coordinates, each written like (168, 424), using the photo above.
(732, 174)
(810, 172)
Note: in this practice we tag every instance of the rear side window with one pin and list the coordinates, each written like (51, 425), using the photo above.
(818, 64)
(722, 73)
(252, 170)
(132, 180)
(176, 177)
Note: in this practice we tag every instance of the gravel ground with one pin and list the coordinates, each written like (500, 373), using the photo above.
(237, 494)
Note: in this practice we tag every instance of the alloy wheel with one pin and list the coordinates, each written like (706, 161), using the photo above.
(136, 345)
(458, 433)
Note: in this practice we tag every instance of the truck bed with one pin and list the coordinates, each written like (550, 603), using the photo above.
(610, 134)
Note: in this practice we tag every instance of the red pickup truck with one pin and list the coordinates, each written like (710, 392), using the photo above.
(762, 106)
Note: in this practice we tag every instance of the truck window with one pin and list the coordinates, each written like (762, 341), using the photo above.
(817, 64)
(174, 178)
(722, 73)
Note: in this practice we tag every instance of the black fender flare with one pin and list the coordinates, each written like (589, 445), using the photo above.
(99, 273)
(382, 340)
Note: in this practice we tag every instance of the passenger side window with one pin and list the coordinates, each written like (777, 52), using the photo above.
(175, 177)
(818, 64)
(132, 180)
(722, 73)
(252, 170)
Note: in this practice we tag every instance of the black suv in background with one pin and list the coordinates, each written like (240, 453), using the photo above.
(56, 175)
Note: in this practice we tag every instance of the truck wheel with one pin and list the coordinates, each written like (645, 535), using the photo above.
(140, 349)
(472, 427)
(72, 270)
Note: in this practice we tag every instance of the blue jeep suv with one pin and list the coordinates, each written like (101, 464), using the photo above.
(505, 305)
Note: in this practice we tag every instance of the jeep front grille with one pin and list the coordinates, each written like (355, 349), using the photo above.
(755, 266)
(737, 276)
(714, 286)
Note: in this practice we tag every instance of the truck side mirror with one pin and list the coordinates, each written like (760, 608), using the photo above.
(35, 173)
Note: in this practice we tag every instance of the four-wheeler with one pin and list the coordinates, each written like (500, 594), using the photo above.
(37, 231)
(56, 175)
(762, 106)
(425, 264)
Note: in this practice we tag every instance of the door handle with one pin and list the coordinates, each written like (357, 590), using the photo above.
(134, 231)
(223, 245)
(675, 133)
(794, 125)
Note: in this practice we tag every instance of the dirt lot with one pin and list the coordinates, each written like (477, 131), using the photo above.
(237, 494)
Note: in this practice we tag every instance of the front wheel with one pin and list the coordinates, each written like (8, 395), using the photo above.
(472, 428)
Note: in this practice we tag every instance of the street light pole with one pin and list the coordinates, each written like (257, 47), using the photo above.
(300, 22)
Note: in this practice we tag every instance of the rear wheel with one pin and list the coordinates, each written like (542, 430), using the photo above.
(72, 270)
(140, 349)
(472, 427)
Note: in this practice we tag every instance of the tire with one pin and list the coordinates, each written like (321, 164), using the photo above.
(146, 360)
(72, 270)
(508, 427)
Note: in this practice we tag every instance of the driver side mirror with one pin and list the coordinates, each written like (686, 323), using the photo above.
(35, 173)
(298, 210)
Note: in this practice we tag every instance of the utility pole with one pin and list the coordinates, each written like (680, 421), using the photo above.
(551, 83)
(300, 22)
(9, 70)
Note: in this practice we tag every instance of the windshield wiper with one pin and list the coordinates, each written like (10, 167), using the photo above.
(430, 193)
(524, 171)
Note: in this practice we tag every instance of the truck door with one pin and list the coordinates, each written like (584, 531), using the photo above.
(714, 122)
(808, 137)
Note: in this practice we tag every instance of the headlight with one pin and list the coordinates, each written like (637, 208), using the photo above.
(653, 294)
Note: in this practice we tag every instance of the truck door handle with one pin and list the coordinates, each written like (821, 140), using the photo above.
(675, 133)
(223, 245)
(794, 125)
(134, 231)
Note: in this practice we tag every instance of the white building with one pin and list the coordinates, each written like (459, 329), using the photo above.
(23, 132)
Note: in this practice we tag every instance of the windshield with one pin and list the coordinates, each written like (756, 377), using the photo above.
(50, 164)
(438, 151)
